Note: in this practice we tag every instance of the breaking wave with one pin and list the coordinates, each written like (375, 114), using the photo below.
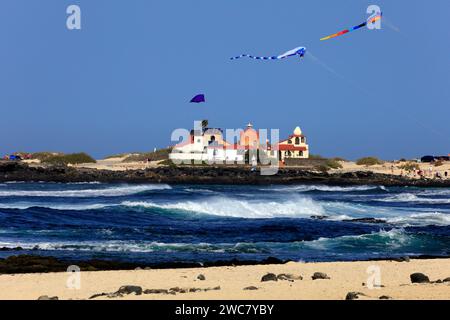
(409, 197)
(394, 239)
(85, 193)
(323, 188)
(381, 242)
(293, 206)
(77, 207)
(422, 219)
(229, 207)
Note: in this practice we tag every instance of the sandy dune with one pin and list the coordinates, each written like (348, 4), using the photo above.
(395, 168)
(116, 164)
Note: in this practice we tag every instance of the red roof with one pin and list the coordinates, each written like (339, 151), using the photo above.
(290, 147)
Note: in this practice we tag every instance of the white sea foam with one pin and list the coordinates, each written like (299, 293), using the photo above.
(384, 240)
(136, 247)
(409, 197)
(87, 182)
(229, 207)
(200, 190)
(435, 192)
(296, 206)
(392, 239)
(324, 188)
(422, 219)
(28, 205)
(83, 193)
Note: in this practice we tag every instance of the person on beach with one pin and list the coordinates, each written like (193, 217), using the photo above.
(421, 174)
(445, 174)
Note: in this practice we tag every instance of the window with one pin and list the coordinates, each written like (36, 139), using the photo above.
(290, 141)
(303, 139)
(297, 140)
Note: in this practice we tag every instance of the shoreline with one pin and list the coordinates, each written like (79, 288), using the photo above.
(13, 171)
(288, 281)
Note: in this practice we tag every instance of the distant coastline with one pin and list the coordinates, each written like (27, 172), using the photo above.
(16, 171)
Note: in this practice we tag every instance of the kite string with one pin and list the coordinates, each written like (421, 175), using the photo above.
(373, 96)
(331, 70)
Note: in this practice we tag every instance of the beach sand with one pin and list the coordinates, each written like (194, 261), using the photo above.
(344, 277)
(395, 168)
(116, 164)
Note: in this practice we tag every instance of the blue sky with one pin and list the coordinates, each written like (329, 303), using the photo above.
(122, 83)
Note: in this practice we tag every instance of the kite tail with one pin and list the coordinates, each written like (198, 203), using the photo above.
(253, 57)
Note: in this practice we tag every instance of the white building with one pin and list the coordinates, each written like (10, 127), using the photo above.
(294, 146)
(206, 145)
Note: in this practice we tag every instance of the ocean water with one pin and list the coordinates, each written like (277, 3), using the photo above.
(157, 223)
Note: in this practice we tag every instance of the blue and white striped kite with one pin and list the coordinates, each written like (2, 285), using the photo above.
(299, 51)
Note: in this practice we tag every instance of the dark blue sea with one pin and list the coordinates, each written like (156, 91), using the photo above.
(157, 223)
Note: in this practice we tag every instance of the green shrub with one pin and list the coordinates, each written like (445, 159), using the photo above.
(368, 161)
(65, 159)
(167, 162)
(339, 159)
(162, 154)
(333, 164)
(322, 168)
(409, 166)
(438, 163)
(42, 156)
(315, 157)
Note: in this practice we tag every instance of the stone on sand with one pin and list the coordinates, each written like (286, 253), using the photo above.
(129, 290)
(156, 291)
(47, 298)
(320, 275)
(250, 288)
(353, 295)
(269, 277)
(419, 278)
(289, 277)
(201, 277)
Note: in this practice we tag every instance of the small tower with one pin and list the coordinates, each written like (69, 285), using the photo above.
(249, 138)
(297, 131)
